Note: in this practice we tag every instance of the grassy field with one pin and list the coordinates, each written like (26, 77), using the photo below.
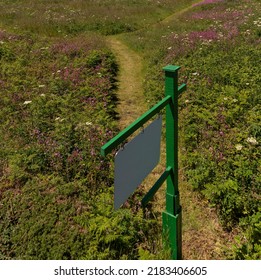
(57, 109)
(58, 101)
(65, 17)
(217, 43)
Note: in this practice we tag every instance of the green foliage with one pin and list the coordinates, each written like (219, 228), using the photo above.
(251, 248)
(222, 153)
(220, 112)
(51, 219)
(65, 17)
(57, 108)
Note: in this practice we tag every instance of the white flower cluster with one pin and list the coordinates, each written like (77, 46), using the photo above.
(59, 119)
(252, 140)
(257, 22)
(27, 102)
(239, 147)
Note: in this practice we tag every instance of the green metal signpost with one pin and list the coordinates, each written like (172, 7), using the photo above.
(171, 217)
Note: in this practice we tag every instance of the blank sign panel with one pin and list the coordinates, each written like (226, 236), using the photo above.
(135, 161)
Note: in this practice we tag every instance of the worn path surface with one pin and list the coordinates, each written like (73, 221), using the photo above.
(130, 93)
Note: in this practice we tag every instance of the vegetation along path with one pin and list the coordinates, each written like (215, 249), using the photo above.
(203, 236)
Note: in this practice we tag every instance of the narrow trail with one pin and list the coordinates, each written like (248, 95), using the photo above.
(132, 103)
(203, 236)
(130, 92)
(173, 16)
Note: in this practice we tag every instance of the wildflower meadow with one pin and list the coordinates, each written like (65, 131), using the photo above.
(58, 106)
(219, 117)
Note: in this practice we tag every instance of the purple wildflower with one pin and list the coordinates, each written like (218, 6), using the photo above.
(203, 35)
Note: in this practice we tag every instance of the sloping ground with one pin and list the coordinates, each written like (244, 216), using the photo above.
(203, 236)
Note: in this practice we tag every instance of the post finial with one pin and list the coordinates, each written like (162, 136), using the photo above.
(171, 68)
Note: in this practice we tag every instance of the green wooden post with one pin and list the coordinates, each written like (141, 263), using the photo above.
(171, 217)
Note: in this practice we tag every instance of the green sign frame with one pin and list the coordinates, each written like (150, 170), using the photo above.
(172, 216)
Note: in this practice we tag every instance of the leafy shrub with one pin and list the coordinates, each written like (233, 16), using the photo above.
(57, 110)
(219, 113)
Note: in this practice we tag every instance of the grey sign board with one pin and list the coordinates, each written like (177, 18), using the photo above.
(135, 161)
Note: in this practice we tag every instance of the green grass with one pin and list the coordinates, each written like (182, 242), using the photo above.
(61, 18)
(58, 102)
(57, 109)
(218, 47)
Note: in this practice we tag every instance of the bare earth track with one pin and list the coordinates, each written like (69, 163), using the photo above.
(130, 92)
